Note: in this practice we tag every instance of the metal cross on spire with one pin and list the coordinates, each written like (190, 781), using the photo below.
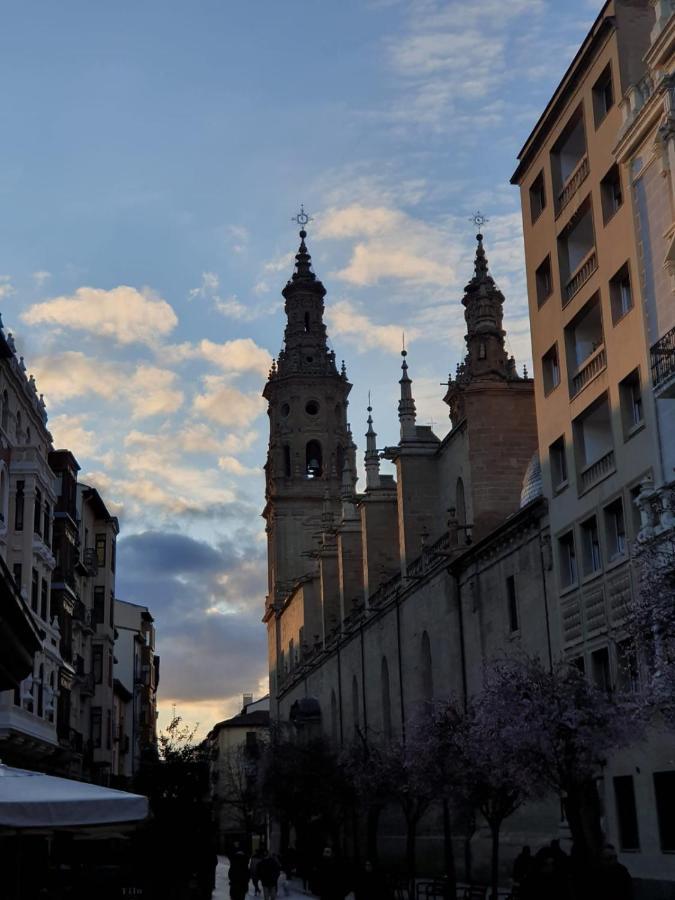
(301, 218)
(478, 219)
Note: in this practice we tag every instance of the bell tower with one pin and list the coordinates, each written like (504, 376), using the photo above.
(310, 444)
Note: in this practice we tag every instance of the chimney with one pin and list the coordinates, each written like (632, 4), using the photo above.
(248, 699)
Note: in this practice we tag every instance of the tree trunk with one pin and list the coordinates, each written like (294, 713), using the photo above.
(494, 829)
(449, 850)
(373, 820)
(410, 842)
(583, 811)
(469, 831)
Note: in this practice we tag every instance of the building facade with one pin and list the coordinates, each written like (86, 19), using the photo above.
(597, 216)
(135, 683)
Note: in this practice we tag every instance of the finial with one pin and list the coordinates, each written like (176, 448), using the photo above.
(524, 371)
(10, 342)
(22, 364)
(302, 219)
(406, 405)
(404, 352)
(343, 369)
(478, 220)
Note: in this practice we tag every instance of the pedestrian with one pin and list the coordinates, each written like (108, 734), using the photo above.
(560, 859)
(543, 882)
(522, 865)
(268, 873)
(287, 861)
(330, 877)
(254, 866)
(610, 880)
(238, 875)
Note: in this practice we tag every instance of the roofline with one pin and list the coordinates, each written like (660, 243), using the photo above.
(565, 88)
(90, 492)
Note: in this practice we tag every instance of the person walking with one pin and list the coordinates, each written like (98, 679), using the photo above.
(610, 880)
(369, 884)
(238, 875)
(268, 873)
(330, 877)
(254, 866)
(522, 865)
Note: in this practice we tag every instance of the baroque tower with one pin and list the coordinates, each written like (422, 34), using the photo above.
(311, 451)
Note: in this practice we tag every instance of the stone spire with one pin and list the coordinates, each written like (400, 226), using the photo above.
(372, 457)
(406, 405)
(483, 302)
(348, 491)
(305, 341)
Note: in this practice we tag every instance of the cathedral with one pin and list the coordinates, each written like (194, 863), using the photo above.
(386, 599)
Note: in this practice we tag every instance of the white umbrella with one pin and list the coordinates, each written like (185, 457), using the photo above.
(33, 800)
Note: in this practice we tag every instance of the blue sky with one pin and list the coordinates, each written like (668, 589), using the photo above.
(153, 155)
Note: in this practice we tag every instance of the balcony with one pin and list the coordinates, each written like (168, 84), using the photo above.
(572, 185)
(90, 561)
(596, 471)
(581, 275)
(663, 365)
(595, 364)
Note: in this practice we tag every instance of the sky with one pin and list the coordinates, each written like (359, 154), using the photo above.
(153, 156)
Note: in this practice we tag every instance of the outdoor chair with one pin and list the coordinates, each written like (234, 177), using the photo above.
(432, 890)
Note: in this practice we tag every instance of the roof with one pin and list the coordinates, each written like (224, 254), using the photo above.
(91, 495)
(260, 718)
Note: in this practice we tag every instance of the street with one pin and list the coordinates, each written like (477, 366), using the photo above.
(295, 891)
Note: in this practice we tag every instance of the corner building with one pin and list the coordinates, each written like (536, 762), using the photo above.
(596, 196)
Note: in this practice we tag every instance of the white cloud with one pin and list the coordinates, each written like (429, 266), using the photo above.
(346, 320)
(231, 306)
(69, 432)
(225, 405)
(6, 286)
(234, 357)
(123, 314)
(153, 391)
(41, 276)
(232, 466)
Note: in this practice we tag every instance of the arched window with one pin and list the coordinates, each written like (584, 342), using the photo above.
(340, 458)
(27, 435)
(386, 700)
(460, 503)
(313, 460)
(5, 409)
(287, 461)
(355, 704)
(306, 323)
(18, 426)
(4, 495)
(333, 718)
(427, 670)
(41, 692)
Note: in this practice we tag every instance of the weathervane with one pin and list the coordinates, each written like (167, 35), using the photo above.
(302, 218)
(478, 219)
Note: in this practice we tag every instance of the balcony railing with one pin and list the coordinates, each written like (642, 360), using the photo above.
(581, 275)
(597, 471)
(663, 359)
(572, 185)
(587, 372)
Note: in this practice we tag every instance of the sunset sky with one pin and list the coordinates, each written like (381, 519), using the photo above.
(153, 155)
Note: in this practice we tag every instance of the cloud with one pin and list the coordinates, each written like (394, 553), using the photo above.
(346, 320)
(225, 405)
(232, 466)
(234, 357)
(123, 314)
(231, 307)
(6, 286)
(69, 432)
(143, 391)
(40, 277)
(396, 246)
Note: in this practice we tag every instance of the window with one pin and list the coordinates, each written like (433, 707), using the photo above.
(537, 196)
(386, 700)
(110, 667)
(18, 427)
(97, 663)
(313, 461)
(112, 609)
(312, 408)
(626, 812)
(46, 523)
(355, 704)
(620, 295)
(5, 410)
(96, 726)
(460, 502)
(627, 667)
(600, 669)
(603, 95)
(558, 456)
(512, 603)
(567, 156)
(44, 600)
(287, 461)
(551, 369)
(630, 397)
(615, 530)
(100, 550)
(635, 512)
(99, 605)
(568, 560)
(18, 506)
(664, 791)
(590, 542)
(594, 443)
(251, 741)
(544, 281)
(37, 512)
(306, 323)
(611, 193)
(34, 590)
(576, 252)
(17, 572)
(113, 554)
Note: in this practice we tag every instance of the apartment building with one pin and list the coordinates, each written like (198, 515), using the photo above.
(136, 679)
(28, 712)
(597, 416)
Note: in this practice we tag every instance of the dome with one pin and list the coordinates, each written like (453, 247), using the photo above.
(532, 483)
